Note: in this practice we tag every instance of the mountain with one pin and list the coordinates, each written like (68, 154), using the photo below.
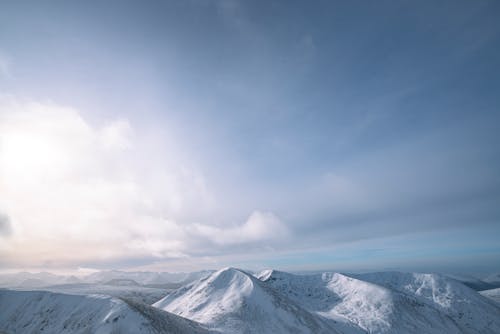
(366, 306)
(470, 311)
(493, 294)
(47, 312)
(31, 280)
(122, 282)
(474, 282)
(493, 280)
(141, 294)
(234, 301)
(144, 277)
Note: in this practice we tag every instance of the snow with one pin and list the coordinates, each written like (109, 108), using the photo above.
(493, 294)
(137, 293)
(391, 302)
(47, 312)
(358, 305)
(472, 282)
(147, 278)
(471, 312)
(234, 301)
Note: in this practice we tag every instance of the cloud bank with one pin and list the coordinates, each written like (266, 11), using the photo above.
(79, 192)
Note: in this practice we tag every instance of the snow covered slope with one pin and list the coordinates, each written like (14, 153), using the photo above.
(471, 312)
(47, 312)
(362, 305)
(472, 282)
(233, 301)
(493, 294)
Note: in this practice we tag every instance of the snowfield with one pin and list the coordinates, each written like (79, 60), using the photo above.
(235, 301)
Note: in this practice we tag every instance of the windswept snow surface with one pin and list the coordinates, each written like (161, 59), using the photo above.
(47, 312)
(233, 301)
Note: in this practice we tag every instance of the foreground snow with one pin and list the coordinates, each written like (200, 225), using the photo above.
(47, 312)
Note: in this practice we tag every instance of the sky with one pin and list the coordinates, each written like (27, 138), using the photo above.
(183, 135)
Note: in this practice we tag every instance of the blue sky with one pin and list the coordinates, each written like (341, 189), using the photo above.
(336, 135)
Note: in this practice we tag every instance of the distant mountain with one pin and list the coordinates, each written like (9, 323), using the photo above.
(138, 293)
(146, 278)
(30, 280)
(122, 282)
(493, 279)
(474, 282)
(493, 294)
(233, 301)
(47, 312)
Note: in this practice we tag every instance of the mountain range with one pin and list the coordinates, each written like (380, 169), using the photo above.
(232, 300)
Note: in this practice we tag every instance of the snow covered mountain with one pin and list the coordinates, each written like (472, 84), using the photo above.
(136, 293)
(233, 301)
(493, 294)
(147, 278)
(47, 312)
(472, 282)
(369, 307)
(471, 312)
(144, 277)
(34, 280)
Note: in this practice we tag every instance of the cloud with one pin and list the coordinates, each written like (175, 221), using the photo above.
(259, 227)
(5, 225)
(443, 180)
(95, 189)
(86, 193)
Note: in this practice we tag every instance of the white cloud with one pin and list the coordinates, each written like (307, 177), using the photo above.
(260, 226)
(81, 193)
(67, 184)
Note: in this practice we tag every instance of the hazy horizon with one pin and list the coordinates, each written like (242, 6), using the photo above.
(187, 135)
